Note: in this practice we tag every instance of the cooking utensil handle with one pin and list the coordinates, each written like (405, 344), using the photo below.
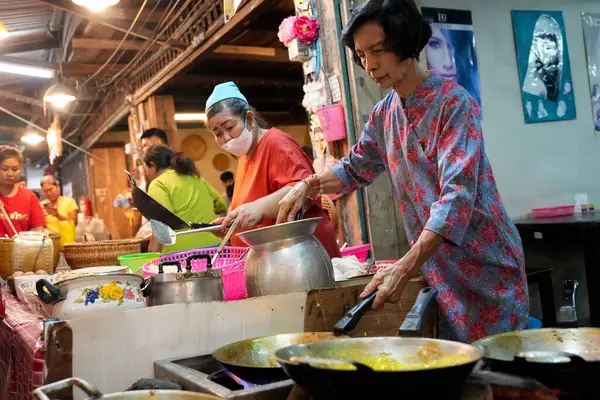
(200, 225)
(146, 287)
(413, 323)
(193, 257)
(353, 316)
(165, 263)
(228, 235)
(43, 392)
(298, 215)
(529, 357)
(209, 228)
(51, 294)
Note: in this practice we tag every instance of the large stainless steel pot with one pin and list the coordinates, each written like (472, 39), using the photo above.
(286, 258)
(43, 392)
(184, 287)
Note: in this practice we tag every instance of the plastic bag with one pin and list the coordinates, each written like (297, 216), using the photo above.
(91, 229)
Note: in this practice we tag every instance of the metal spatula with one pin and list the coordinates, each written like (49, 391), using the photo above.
(167, 236)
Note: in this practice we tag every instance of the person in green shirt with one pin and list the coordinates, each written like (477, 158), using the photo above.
(176, 184)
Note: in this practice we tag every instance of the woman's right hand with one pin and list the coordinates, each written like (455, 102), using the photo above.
(292, 202)
(220, 233)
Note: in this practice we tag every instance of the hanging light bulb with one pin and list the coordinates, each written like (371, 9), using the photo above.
(96, 5)
(32, 138)
(3, 31)
(59, 95)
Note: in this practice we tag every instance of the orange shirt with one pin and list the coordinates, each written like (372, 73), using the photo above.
(277, 162)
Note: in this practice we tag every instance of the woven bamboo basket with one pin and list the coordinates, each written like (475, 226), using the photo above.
(6, 246)
(56, 243)
(101, 253)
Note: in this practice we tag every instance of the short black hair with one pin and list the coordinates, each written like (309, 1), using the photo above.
(225, 176)
(406, 31)
(21, 179)
(237, 108)
(162, 135)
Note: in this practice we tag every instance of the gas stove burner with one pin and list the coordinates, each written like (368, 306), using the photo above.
(230, 381)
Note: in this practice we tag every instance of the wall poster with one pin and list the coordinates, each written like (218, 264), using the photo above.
(544, 67)
(451, 49)
(591, 34)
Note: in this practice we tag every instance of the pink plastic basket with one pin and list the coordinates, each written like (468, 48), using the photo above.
(333, 122)
(361, 252)
(553, 212)
(233, 271)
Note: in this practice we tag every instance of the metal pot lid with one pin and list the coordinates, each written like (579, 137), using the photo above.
(107, 275)
(288, 230)
(182, 276)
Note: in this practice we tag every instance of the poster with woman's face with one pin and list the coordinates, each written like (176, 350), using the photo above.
(591, 34)
(544, 67)
(451, 49)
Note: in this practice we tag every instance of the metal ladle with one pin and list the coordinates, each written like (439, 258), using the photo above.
(167, 236)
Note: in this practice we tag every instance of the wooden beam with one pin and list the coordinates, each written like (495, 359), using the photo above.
(22, 111)
(31, 42)
(109, 44)
(12, 129)
(121, 26)
(20, 98)
(212, 80)
(28, 63)
(251, 53)
(74, 69)
(218, 33)
(127, 14)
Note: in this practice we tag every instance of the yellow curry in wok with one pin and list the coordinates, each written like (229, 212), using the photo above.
(427, 356)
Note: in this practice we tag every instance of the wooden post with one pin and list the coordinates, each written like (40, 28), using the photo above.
(161, 114)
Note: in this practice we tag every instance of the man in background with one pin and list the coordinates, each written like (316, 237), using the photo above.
(22, 181)
(153, 136)
(228, 181)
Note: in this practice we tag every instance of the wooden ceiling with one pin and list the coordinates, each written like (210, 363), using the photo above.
(106, 55)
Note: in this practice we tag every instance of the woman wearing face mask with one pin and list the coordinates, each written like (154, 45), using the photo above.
(20, 204)
(176, 184)
(269, 164)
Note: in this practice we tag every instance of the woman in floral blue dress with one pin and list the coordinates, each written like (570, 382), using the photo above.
(426, 135)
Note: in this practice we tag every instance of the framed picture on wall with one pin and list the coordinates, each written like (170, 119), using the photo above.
(451, 50)
(591, 35)
(544, 66)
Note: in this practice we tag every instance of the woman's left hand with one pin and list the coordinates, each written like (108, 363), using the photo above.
(249, 214)
(391, 283)
(52, 211)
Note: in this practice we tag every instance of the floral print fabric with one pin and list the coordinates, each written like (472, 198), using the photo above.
(443, 182)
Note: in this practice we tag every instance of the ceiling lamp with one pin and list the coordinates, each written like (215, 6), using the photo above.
(59, 95)
(32, 138)
(190, 117)
(96, 5)
(3, 31)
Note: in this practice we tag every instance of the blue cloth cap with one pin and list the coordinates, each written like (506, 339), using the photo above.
(224, 91)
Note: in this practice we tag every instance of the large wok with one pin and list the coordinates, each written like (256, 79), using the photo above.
(564, 359)
(358, 367)
(253, 360)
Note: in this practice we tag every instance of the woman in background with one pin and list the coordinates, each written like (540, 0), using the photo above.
(60, 211)
(20, 204)
(176, 184)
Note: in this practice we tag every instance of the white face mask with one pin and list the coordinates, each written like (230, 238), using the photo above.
(240, 145)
